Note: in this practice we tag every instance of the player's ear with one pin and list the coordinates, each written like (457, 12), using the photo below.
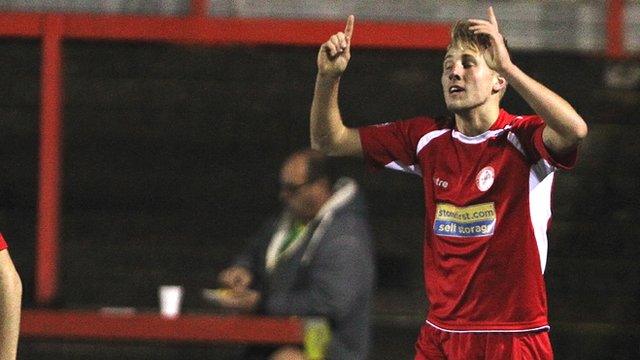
(499, 83)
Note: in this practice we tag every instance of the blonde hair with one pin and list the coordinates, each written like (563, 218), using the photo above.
(464, 39)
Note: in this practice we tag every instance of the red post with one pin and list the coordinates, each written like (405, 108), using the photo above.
(199, 8)
(46, 276)
(615, 29)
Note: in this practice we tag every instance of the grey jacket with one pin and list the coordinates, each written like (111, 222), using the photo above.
(330, 274)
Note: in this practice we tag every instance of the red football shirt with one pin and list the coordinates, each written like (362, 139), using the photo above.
(3, 244)
(488, 204)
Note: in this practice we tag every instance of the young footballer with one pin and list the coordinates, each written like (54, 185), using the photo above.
(487, 177)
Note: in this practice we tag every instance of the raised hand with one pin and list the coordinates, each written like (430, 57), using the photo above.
(334, 54)
(500, 59)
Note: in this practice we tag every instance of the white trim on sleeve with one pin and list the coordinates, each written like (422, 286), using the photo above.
(411, 169)
(426, 138)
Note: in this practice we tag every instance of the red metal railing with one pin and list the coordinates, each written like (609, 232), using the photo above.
(193, 328)
(46, 274)
(615, 29)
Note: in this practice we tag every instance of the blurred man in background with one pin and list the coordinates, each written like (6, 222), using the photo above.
(314, 259)
(487, 179)
(10, 300)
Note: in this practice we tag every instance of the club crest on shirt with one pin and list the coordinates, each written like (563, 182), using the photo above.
(485, 178)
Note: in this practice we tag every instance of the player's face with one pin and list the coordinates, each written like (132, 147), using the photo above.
(467, 80)
(296, 191)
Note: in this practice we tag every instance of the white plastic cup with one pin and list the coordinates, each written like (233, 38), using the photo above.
(170, 300)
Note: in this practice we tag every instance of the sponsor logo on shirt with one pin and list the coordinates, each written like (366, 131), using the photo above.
(468, 221)
(485, 178)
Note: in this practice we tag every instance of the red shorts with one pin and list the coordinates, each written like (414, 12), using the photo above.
(434, 344)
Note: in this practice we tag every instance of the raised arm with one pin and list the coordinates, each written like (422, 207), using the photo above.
(10, 300)
(328, 133)
(564, 129)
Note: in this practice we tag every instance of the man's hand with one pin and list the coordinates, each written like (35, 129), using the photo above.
(237, 278)
(334, 54)
(500, 60)
(245, 300)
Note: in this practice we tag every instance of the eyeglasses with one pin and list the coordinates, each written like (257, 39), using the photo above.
(294, 188)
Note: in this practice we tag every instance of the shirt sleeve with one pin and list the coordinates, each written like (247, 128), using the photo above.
(529, 131)
(393, 145)
(3, 244)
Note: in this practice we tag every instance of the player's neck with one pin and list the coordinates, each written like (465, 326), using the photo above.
(476, 121)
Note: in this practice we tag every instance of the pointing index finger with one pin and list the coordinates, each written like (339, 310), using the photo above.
(348, 30)
(492, 16)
